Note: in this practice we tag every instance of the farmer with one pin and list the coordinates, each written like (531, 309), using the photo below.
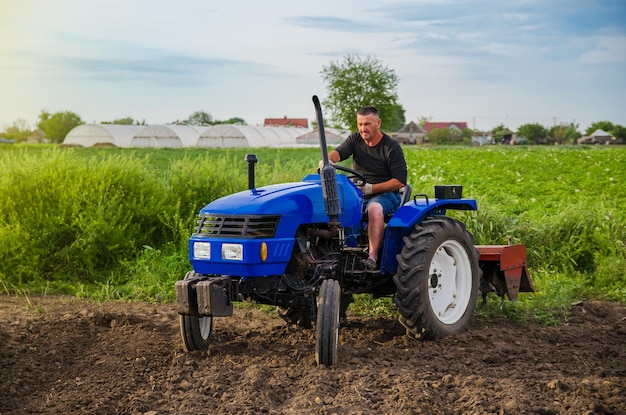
(380, 159)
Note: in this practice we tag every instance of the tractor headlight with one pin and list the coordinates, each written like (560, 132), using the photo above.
(233, 252)
(202, 250)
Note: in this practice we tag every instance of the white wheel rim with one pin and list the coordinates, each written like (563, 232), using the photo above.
(450, 282)
(204, 324)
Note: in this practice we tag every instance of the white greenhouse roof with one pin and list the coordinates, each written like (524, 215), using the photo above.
(234, 135)
(186, 136)
(333, 136)
(88, 135)
(161, 136)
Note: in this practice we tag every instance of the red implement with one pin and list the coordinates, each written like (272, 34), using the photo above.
(504, 270)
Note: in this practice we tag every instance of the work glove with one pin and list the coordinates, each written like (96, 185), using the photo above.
(321, 164)
(366, 189)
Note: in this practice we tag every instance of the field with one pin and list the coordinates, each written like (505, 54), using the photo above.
(114, 223)
(67, 356)
(92, 240)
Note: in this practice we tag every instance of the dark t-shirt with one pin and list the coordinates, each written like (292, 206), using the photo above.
(377, 164)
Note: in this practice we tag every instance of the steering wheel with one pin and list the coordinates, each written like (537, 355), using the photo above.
(356, 177)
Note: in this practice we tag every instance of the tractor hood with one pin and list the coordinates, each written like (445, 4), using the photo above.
(302, 200)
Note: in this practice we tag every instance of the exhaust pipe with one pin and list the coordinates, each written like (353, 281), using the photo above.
(328, 175)
(251, 159)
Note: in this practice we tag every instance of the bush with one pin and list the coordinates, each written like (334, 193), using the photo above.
(66, 217)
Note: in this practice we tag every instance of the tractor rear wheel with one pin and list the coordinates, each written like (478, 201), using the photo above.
(437, 280)
(327, 324)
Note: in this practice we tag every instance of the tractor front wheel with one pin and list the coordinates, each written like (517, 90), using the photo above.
(195, 330)
(327, 324)
(437, 279)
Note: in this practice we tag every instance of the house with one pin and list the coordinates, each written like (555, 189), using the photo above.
(429, 126)
(480, 138)
(598, 137)
(286, 122)
(410, 134)
(36, 137)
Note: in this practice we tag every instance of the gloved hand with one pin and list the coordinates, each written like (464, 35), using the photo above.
(321, 164)
(366, 189)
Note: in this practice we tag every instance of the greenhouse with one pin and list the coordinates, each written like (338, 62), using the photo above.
(167, 136)
(313, 137)
(234, 135)
(89, 135)
(187, 136)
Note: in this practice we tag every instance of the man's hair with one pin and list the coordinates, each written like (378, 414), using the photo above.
(368, 110)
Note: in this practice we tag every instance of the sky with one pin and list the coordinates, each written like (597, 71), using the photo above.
(484, 62)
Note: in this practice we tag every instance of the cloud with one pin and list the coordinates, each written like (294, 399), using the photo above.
(607, 50)
(109, 60)
(337, 24)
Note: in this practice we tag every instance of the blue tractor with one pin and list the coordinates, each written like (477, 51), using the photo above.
(298, 246)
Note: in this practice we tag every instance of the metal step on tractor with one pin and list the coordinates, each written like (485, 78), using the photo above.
(299, 246)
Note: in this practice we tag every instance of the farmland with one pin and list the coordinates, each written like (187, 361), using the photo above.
(92, 240)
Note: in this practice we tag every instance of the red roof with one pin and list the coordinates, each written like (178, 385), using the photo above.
(290, 122)
(429, 126)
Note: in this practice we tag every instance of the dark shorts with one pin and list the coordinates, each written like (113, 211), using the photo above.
(390, 202)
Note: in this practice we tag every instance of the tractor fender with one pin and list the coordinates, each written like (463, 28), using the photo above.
(416, 210)
(409, 214)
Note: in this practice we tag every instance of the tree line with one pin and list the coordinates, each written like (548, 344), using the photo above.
(352, 83)
(57, 125)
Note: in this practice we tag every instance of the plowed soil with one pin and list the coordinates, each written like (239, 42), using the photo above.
(65, 356)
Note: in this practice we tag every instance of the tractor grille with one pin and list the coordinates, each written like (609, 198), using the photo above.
(237, 226)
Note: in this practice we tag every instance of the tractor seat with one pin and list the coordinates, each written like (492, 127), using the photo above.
(405, 193)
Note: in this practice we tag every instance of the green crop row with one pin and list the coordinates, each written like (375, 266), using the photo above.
(114, 223)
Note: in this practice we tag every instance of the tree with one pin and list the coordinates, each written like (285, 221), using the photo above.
(398, 122)
(449, 136)
(438, 136)
(57, 125)
(124, 121)
(199, 118)
(358, 82)
(501, 134)
(533, 132)
(564, 134)
(233, 120)
(421, 121)
(606, 126)
(619, 131)
(18, 131)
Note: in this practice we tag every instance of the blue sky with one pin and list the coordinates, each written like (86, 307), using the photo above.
(484, 62)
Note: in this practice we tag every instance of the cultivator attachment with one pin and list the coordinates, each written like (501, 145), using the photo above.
(504, 271)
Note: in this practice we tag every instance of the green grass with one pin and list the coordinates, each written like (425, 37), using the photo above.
(113, 224)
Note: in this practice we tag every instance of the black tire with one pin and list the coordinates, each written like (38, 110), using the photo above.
(437, 280)
(327, 324)
(195, 330)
